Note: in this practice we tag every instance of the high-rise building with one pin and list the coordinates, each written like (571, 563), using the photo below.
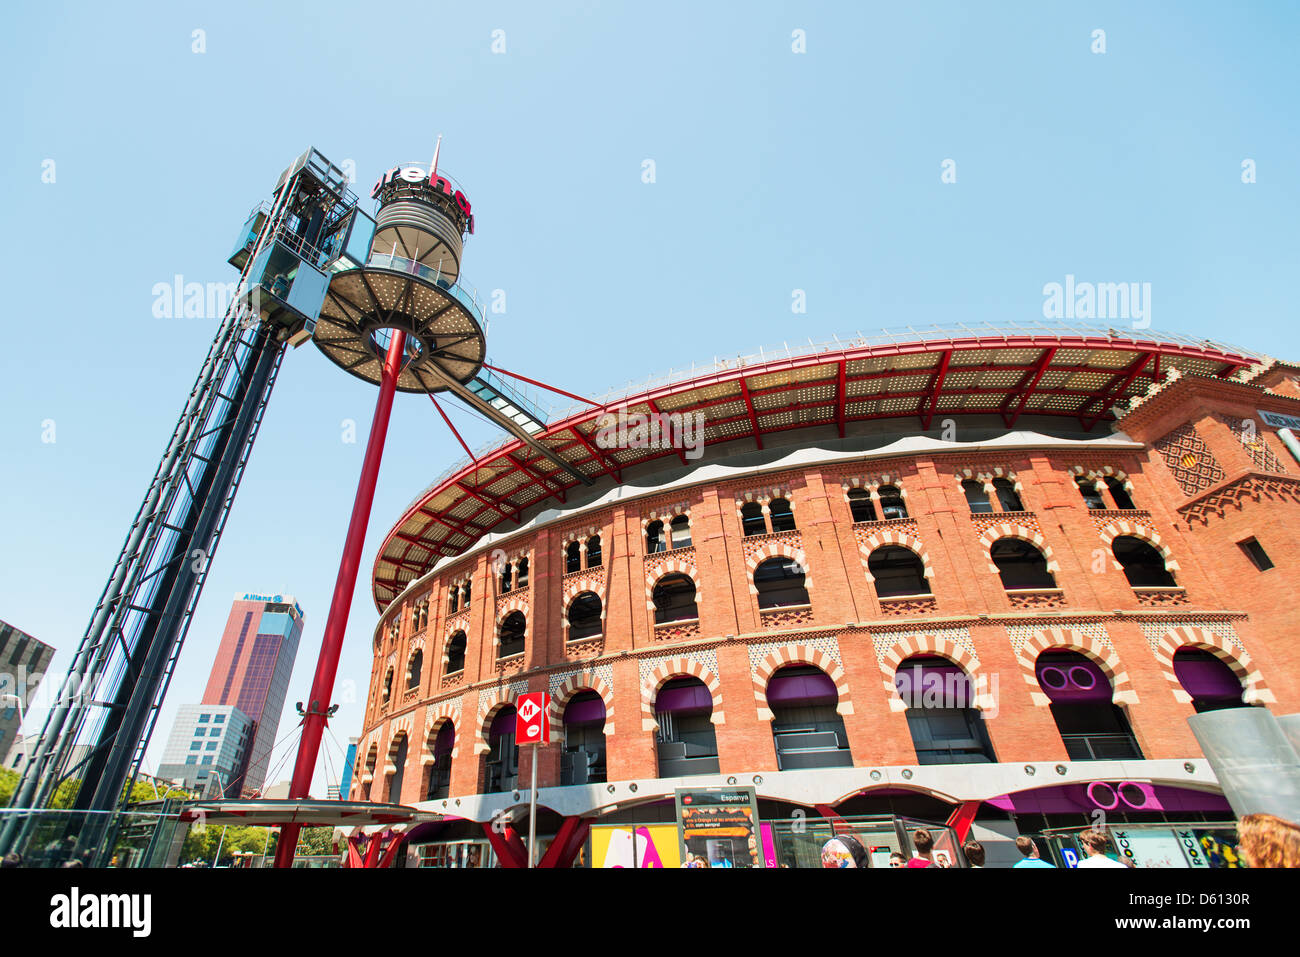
(245, 696)
(252, 669)
(208, 748)
(23, 661)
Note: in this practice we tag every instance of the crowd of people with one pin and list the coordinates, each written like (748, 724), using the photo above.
(1263, 840)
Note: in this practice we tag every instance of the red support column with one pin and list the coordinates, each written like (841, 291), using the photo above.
(322, 686)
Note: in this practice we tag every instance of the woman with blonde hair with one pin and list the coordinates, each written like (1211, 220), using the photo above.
(1265, 840)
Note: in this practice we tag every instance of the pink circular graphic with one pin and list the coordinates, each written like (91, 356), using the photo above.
(1092, 796)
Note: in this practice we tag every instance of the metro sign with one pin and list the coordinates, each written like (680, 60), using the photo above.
(533, 718)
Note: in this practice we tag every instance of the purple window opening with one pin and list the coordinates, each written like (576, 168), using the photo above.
(686, 698)
(585, 711)
(503, 723)
(932, 682)
(1203, 675)
(445, 740)
(1072, 678)
(801, 689)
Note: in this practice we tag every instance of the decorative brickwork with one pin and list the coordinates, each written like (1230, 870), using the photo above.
(679, 561)
(1113, 530)
(564, 685)
(1160, 597)
(893, 650)
(1252, 440)
(1034, 598)
(677, 630)
(584, 647)
(908, 606)
(490, 701)
(999, 530)
(1250, 488)
(787, 654)
(1100, 651)
(1195, 468)
(785, 617)
(1229, 651)
(656, 672)
(435, 717)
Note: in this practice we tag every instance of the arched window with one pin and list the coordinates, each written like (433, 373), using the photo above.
(456, 652)
(1144, 567)
(507, 573)
(1092, 728)
(752, 521)
(897, 571)
(572, 557)
(584, 616)
(388, 684)
(1088, 489)
(502, 759)
(521, 573)
(1208, 679)
(512, 635)
(453, 599)
(464, 594)
(1008, 498)
(593, 552)
(976, 497)
(674, 599)
(583, 758)
(891, 502)
(681, 532)
(806, 729)
(395, 780)
(780, 582)
(413, 669)
(654, 537)
(782, 515)
(1119, 493)
(440, 771)
(1020, 564)
(860, 504)
(686, 742)
(941, 715)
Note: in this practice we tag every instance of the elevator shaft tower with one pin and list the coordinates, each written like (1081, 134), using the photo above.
(121, 668)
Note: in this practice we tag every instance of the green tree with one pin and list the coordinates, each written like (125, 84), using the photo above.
(8, 784)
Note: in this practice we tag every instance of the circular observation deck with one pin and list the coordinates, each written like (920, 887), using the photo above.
(442, 323)
(916, 376)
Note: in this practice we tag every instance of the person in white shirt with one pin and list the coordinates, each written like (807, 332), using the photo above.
(1094, 845)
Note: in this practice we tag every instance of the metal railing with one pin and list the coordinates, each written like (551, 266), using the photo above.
(466, 297)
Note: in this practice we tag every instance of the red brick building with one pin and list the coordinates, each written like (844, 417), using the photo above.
(970, 573)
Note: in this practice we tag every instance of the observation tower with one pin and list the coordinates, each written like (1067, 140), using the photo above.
(381, 296)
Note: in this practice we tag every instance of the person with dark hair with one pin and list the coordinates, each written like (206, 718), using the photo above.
(1029, 850)
(1266, 840)
(974, 852)
(1094, 844)
(897, 859)
(12, 859)
(924, 844)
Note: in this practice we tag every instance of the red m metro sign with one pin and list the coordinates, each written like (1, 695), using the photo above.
(533, 718)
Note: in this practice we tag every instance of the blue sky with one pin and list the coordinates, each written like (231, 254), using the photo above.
(774, 171)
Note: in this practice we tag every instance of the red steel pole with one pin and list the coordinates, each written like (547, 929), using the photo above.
(322, 686)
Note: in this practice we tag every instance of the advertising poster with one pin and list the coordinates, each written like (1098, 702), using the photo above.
(1219, 847)
(653, 846)
(1150, 848)
(718, 827)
